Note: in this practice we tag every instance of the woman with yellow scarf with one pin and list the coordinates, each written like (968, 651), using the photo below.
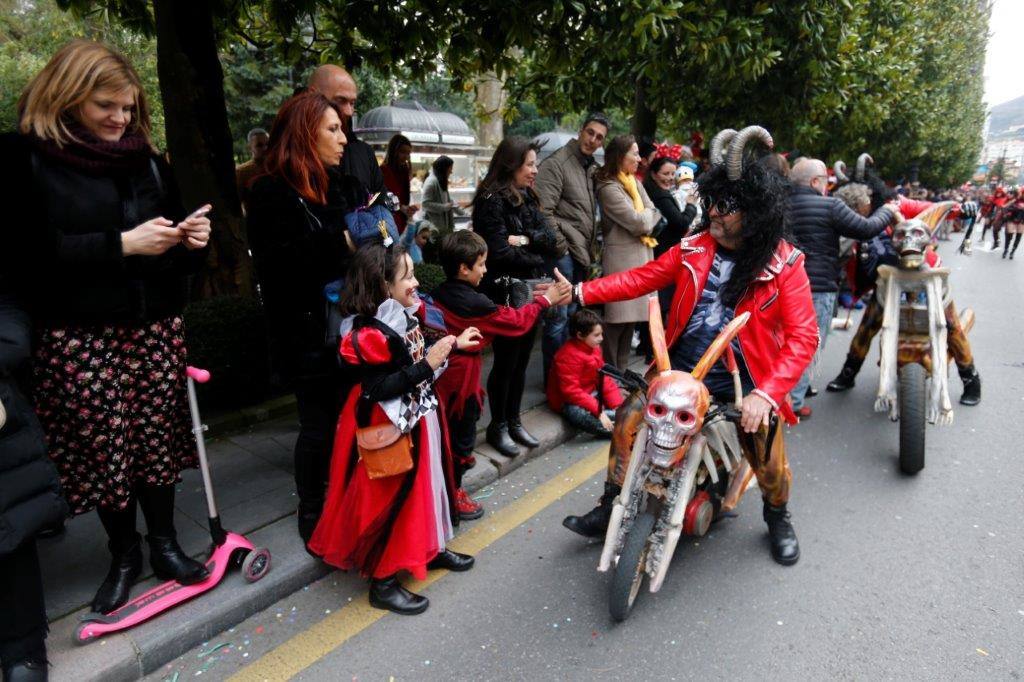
(628, 218)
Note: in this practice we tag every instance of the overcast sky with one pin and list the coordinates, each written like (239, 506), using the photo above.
(1003, 80)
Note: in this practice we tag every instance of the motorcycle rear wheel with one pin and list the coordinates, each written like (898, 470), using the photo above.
(913, 396)
(629, 571)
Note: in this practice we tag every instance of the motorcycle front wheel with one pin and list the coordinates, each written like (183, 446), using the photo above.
(913, 398)
(629, 571)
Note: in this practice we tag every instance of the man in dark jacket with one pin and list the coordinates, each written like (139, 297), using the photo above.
(817, 222)
(29, 501)
(565, 185)
(338, 85)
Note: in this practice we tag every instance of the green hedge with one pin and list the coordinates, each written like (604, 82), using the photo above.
(228, 336)
(429, 276)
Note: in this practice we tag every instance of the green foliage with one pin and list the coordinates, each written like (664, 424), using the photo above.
(228, 336)
(429, 275)
(31, 32)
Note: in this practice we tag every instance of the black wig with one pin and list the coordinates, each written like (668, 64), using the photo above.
(763, 196)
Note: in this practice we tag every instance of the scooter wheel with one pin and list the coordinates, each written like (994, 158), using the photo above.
(256, 564)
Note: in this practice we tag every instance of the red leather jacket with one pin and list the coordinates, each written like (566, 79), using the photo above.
(781, 337)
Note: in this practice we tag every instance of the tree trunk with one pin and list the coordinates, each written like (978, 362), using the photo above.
(199, 138)
(490, 105)
(645, 121)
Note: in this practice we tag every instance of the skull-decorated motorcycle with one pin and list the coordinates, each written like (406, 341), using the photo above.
(918, 322)
(686, 467)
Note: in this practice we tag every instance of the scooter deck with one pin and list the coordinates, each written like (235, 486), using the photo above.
(162, 597)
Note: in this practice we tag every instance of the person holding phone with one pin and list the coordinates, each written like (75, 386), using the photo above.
(100, 249)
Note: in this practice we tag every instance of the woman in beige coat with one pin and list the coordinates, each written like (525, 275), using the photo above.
(628, 218)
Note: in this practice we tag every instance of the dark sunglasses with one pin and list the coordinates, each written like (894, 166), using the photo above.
(721, 206)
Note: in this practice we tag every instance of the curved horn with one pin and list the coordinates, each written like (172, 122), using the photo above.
(734, 159)
(862, 164)
(716, 154)
(839, 167)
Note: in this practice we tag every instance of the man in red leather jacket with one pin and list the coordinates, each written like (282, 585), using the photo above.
(739, 263)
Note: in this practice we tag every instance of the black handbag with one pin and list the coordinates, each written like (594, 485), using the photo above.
(513, 292)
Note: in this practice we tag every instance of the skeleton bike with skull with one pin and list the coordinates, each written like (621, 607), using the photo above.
(914, 379)
(686, 465)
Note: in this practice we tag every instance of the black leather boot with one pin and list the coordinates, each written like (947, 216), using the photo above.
(170, 562)
(125, 568)
(785, 548)
(452, 561)
(846, 378)
(499, 438)
(594, 523)
(27, 671)
(307, 516)
(520, 435)
(388, 594)
(972, 386)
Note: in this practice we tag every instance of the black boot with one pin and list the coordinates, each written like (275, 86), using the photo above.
(972, 385)
(847, 376)
(388, 594)
(595, 522)
(125, 568)
(307, 516)
(785, 548)
(125, 561)
(452, 561)
(27, 671)
(498, 437)
(520, 435)
(168, 560)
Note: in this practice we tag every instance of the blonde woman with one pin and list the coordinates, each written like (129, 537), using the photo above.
(628, 219)
(100, 247)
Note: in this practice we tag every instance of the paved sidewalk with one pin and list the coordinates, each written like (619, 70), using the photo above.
(253, 480)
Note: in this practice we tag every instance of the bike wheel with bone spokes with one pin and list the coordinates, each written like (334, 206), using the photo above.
(629, 571)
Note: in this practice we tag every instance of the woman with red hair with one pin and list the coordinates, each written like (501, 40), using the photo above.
(296, 220)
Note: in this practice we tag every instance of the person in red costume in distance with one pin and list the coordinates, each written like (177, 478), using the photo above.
(737, 262)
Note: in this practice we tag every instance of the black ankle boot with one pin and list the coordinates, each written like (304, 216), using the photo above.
(170, 562)
(27, 671)
(498, 437)
(125, 568)
(388, 594)
(520, 435)
(594, 523)
(972, 386)
(847, 377)
(452, 561)
(785, 548)
(307, 516)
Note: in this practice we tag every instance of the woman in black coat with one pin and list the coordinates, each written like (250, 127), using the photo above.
(101, 250)
(659, 183)
(296, 220)
(521, 244)
(30, 500)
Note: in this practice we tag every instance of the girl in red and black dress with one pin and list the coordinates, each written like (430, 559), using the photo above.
(385, 525)
(1014, 223)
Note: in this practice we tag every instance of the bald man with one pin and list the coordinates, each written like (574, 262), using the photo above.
(338, 85)
(816, 222)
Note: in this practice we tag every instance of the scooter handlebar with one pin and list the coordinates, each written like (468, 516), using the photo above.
(200, 376)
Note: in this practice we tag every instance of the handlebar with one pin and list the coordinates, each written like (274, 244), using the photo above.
(629, 379)
(200, 376)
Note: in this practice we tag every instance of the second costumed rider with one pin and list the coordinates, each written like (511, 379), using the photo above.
(736, 262)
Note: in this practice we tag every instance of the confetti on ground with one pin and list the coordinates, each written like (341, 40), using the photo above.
(982, 652)
(484, 493)
(214, 649)
(259, 630)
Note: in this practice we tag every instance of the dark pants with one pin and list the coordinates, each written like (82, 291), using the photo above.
(319, 401)
(508, 376)
(556, 319)
(22, 611)
(462, 436)
(583, 420)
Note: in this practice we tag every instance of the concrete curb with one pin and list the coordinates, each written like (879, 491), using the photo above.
(142, 650)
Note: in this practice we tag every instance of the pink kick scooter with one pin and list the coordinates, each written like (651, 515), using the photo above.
(228, 549)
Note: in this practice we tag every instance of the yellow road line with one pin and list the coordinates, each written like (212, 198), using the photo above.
(312, 644)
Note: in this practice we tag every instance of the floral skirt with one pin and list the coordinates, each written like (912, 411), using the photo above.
(114, 405)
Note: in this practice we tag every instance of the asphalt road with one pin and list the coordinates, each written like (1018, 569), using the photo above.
(900, 578)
